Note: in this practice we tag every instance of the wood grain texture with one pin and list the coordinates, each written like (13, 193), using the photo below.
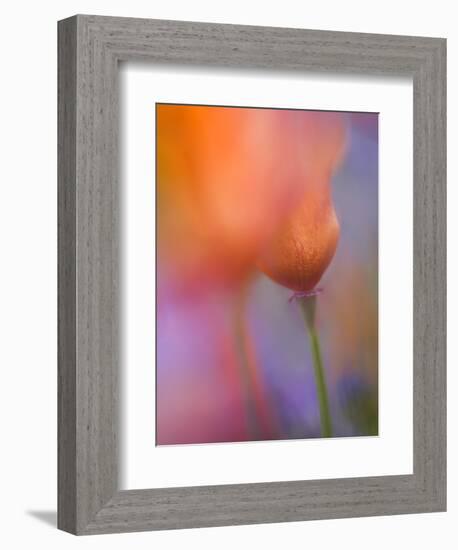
(90, 48)
(67, 437)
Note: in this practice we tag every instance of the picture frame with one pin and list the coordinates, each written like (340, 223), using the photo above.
(90, 49)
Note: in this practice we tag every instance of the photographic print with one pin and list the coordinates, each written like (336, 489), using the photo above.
(266, 274)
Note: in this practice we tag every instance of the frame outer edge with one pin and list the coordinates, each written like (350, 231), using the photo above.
(430, 277)
(67, 131)
(89, 502)
(438, 250)
(442, 166)
(96, 275)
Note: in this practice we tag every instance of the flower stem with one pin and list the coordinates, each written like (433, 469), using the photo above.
(241, 345)
(308, 305)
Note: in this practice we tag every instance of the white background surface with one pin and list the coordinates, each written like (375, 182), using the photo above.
(28, 273)
(213, 464)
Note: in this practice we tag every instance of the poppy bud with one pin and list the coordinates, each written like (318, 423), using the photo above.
(303, 247)
(304, 244)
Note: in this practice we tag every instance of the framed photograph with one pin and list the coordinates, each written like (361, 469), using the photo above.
(252, 266)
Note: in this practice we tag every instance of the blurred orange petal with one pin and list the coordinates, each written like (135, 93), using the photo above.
(228, 178)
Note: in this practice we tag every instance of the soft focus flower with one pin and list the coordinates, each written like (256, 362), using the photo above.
(228, 178)
(303, 247)
(217, 199)
(304, 244)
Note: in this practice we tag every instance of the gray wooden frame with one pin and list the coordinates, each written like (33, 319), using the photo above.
(90, 48)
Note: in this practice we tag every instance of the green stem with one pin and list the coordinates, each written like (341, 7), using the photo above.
(308, 305)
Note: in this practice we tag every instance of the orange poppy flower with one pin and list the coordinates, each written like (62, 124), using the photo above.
(229, 182)
(305, 242)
